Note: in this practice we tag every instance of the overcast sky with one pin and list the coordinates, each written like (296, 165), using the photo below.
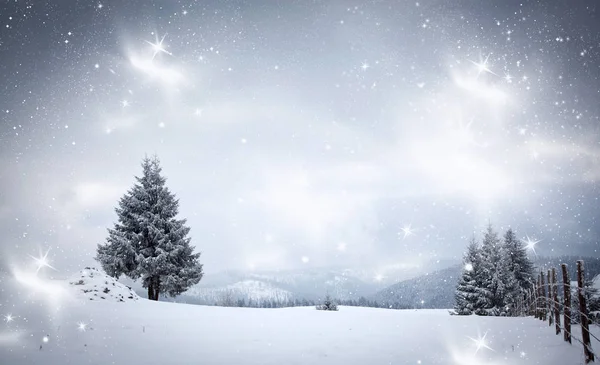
(302, 133)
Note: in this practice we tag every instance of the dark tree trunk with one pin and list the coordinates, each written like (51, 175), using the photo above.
(150, 291)
(156, 287)
(153, 288)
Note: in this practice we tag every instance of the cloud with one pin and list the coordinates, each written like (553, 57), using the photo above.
(169, 76)
(96, 194)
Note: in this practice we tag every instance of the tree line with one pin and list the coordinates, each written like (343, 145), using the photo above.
(228, 300)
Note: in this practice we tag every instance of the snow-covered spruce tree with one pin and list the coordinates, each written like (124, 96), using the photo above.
(148, 241)
(518, 263)
(496, 293)
(466, 291)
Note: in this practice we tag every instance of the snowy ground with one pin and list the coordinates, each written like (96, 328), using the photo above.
(83, 331)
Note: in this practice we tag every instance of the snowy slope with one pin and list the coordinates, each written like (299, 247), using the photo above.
(144, 332)
(95, 285)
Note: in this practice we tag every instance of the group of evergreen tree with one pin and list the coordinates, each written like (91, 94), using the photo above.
(495, 277)
(230, 301)
(364, 302)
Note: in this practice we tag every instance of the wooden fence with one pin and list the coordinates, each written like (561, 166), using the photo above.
(543, 303)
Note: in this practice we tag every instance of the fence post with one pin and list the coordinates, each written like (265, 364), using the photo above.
(549, 299)
(537, 298)
(567, 298)
(555, 301)
(527, 308)
(533, 299)
(585, 329)
(538, 302)
(543, 305)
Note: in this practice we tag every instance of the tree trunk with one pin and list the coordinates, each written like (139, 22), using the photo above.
(150, 291)
(153, 288)
(156, 287)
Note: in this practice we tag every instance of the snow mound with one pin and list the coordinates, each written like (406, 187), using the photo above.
(95, 285)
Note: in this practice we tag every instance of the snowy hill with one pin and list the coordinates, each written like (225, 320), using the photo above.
(95, 285)
(153, 333)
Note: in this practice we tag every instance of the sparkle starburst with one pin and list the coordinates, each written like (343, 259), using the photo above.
(530, 244)
(9, 318)
(407, 230)
(81, 326)
(42, 261)
(482, 66)
(480, 342)
(158, 46)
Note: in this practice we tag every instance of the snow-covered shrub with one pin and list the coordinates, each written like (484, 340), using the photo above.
(328, 305)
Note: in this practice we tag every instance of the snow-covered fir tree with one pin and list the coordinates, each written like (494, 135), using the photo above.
(148, 241)
(467, 290)
(518, 262)
(496, 294)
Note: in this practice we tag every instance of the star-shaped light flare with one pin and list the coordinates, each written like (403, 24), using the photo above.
(482, 66)
(42, 261)
(407, 230)
(9, 318)
(480, 342)
(158, 46)
(530, 244)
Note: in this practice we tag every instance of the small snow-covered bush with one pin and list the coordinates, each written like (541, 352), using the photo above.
(328, 305)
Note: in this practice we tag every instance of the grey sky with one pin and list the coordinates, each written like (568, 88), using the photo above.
(302, 133)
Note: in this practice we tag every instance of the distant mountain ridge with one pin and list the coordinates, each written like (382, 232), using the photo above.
(432, 290)
(436, 290)
(279, 286)
(428, 286)
(284, 285)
